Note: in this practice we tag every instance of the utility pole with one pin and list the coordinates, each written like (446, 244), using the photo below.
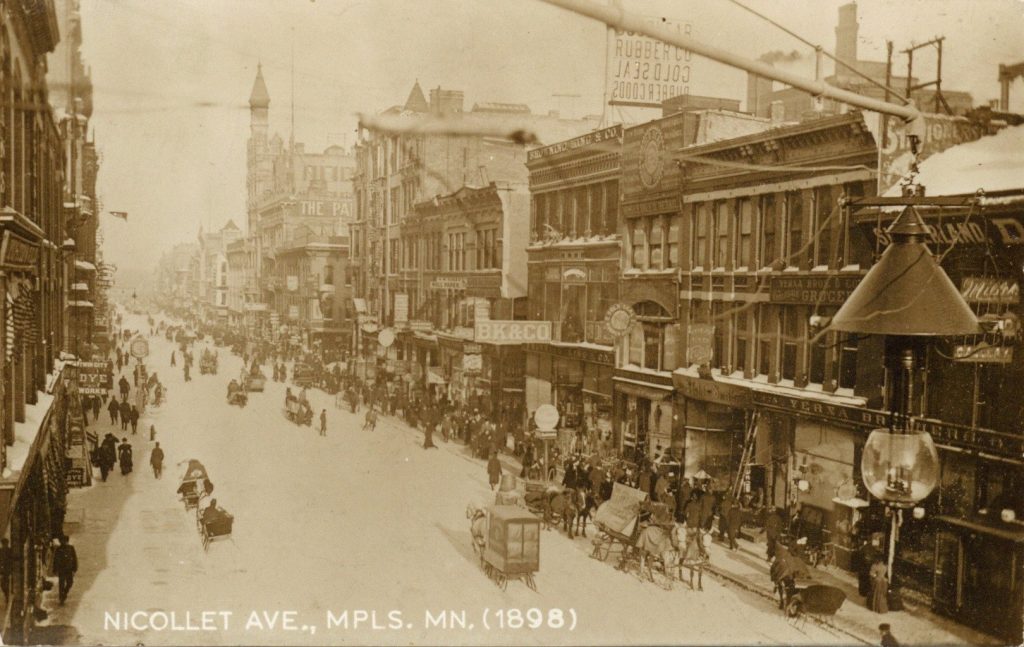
(940, 101)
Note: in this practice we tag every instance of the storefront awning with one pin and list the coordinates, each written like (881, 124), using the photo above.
(85, 266)
(80, 304)
(645, 390)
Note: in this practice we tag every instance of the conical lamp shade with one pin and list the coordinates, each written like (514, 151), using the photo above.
(906, 292)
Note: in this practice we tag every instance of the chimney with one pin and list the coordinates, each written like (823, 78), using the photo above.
(846, 38)
(777, 111)
(759, 95)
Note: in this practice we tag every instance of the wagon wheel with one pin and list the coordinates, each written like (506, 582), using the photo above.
(502, 581)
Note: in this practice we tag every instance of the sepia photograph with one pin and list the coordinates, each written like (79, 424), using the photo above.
(511, 322)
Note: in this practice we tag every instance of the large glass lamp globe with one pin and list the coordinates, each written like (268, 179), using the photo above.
(900, 468)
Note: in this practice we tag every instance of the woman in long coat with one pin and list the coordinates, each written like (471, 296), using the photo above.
(879, 599)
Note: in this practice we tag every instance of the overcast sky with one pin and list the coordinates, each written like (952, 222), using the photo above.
(172, 77)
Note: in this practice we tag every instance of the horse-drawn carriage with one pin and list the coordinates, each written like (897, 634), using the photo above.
(647, 535)
(298, 411)
(213, 524)
(195, 484)
(237, 394)
(303, 374)
(507, 538)
(251, 381)
(208, 362)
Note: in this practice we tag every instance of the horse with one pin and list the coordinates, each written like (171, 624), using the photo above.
(588, 503)
(566, 505)
(658, 544)
(477, 528)
(784, 570)
(693, 555)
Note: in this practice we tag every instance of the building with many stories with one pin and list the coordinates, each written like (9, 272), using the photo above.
(293, 194)
(438, 251)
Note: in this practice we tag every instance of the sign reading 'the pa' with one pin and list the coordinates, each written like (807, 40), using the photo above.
(512, 332)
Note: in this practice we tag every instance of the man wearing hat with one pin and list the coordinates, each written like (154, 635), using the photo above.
(888, 640)
(493, 470)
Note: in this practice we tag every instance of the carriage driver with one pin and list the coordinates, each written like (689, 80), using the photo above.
(213, 513)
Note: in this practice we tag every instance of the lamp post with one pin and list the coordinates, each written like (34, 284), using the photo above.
(907, 297)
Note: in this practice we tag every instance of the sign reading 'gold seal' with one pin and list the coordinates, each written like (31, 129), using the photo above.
(652, 162)
(619, 319)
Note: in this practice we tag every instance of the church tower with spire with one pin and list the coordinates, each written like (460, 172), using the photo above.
(259, 162)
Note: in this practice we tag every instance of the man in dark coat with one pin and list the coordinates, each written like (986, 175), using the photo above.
(732, 514)
(691, 513)
(124, 386)
(134, 418)
(124, 454)
(65, 564)
(569, 480)
(126, 414)
(114, 408)
(493, 470)
(95, 407)
(156, 459)
(707, 509)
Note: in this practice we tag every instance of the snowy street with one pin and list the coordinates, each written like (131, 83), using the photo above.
(354, 521)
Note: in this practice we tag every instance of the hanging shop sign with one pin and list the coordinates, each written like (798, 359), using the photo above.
(293, 283)
(472, 349)
(546, 417)
(983, 353)
(619, 319)
(448, 284)
(76, 455)
(369, 327)
(700, 349)
(512, 331)
(977, 289)
(828, 290)
(578, 353)
(472, 363)
(481, 310)
(139, 347)
(421, 326)
(695, 388)
(386, 337)
(93, 378)
(293, 312)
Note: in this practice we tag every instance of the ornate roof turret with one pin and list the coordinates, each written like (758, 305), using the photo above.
(259, 98)
(416, 101)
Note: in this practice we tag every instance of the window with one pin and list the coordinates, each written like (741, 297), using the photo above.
(581, 221)
(816, 365)
(700, 236)
(539, 205)
(744, 250)
(393, 256)
(656, 240)
(790, 320)
(718, 354)
(721, 235)
(847, 356)
(742, 337)
(795, 222)
(639, 256)
(611, 207)
(768, 253)
(765, 339)
(822, 224)
(595, 225)
(654, 339)
(672, 242)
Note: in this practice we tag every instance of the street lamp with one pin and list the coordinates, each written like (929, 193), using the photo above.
(907, 297)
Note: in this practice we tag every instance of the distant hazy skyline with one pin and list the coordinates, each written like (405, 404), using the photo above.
(172, 77)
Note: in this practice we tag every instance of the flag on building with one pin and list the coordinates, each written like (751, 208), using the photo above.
(120, 214)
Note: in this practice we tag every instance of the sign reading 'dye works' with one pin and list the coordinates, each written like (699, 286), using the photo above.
(512, 332)
(93, 378)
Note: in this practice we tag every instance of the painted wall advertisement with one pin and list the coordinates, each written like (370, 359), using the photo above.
(645, 72)
(93, 378)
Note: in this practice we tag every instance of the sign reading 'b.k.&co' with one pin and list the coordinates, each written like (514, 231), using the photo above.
(512, 331)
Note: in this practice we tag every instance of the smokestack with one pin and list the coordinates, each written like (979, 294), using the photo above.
(846, 37)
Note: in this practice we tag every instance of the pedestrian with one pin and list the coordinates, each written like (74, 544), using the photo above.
(323, 422)
(156, 459)
(152, 433)
(888, 640)
(95, 408)
(65, 564)
(187, 377)
(428, 436)
(6, 562)
(124, 455)
(173, 363)
(125, 387)
(119, 364)
(494, 470)
(879, 600)
(733, 524)
(126, 414)
(113, 408)
(135, 419)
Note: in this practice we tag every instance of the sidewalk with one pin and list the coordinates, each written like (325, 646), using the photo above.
(747, 568)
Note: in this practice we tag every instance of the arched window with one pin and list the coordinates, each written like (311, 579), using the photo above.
(651, 342)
